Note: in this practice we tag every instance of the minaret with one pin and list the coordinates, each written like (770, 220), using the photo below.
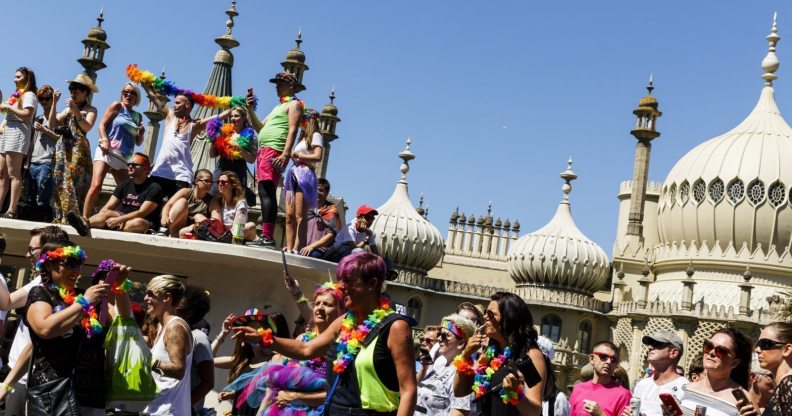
(327, 125)
(153, 128)
(295, 63)
(95, 45)
(219, 84)
(644, 131)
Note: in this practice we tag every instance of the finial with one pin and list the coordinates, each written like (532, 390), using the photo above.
(568, 176)
(420, 200)
(299, 38)
(770, 62)
(100, 19)
(690, 270)
(747, 275)
(489, 209)
(332, 95)
(426, 214)
(646, 270)
(162, 75)
(650, 87)
(406, 155)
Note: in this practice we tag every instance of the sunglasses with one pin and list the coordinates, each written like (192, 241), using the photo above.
(658, 345)
(765, 344)
(719, 350)
(31, 249)
(221, 182)
(129, 93)
(205, 181)
(605, 358)
(72, 264)
(445, 336)
(428, 340)
(151, 294)
(45, 98)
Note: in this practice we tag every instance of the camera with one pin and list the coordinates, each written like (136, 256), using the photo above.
(63, 130)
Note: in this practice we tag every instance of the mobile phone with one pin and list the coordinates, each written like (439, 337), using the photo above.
(670, 402)
(425, 355)
(480, 330)
(739, 395)
(285, 266)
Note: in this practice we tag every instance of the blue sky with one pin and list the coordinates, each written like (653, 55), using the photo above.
(495, 95)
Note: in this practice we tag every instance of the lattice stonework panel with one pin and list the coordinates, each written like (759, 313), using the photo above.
(652, 326)
(622, 336)
(695, 342)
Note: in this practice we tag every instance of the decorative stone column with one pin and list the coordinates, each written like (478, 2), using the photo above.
(687, 290)
(618, 287)
(644, 282)
(745, 293)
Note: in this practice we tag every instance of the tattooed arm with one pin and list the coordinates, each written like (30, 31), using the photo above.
(178, 343)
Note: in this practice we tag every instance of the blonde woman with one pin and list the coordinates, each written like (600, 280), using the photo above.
(120, 130)
(300, 181)
(20, 109)
(229, 201)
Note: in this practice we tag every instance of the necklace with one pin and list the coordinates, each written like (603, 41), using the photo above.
(484, 366)
(352, 335)
(90, 320)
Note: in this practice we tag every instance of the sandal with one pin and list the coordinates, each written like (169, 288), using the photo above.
(80, 223)
(9, 215)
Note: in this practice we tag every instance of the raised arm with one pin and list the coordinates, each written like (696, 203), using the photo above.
(296, 349)
(251, 113)
(157, 101)
(293, 286)
(53, 116)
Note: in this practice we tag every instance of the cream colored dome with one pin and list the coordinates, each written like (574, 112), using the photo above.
(405, 237)
(559, 255)
(735, 188)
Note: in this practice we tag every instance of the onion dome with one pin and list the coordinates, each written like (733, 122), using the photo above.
(97, 33)
(330, 108)
(558, 255)
(297, 54)
(734, 188)
(411, 242)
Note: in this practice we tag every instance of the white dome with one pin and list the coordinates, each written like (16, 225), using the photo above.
(558, 255)
(735, 187)
(404, 236)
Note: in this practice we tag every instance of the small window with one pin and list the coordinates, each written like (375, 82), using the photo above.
(584, 337)
(699, 191)
(672, 194)
(776, 194)
(716, 190)
(756, 192)
(736, 191)
(684, 190)
(551, 327)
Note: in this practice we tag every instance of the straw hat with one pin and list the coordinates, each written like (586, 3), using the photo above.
(85, 80)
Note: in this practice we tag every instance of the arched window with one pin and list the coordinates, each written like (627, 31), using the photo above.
(414, 306)
(584, 337)
(551, 327)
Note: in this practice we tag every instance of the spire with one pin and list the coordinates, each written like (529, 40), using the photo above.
(295, 62)
(406, 155)
(568, 176)
(420, 209)
(94, 47)
(770, 62)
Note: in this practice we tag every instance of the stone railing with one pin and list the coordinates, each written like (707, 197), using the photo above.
(699, 311)
(482, 238)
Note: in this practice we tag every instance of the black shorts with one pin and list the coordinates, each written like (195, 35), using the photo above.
(170, 186)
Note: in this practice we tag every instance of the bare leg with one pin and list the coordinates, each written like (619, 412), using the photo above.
(177, 217)
(14, 163)
(136, 225)
(250, 231)
(100, 169)
(291, 225)
(299, 214)
(100, 220)
(4, 182)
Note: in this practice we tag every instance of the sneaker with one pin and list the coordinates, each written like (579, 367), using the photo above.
(80, 223)
(261, 242)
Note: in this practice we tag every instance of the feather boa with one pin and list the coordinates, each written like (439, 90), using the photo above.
(225, 143)
(13, 99)
(170, 89)
(294, 378)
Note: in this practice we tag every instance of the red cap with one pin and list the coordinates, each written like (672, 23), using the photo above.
(364, 210)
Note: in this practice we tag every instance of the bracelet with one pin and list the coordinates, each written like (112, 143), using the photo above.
(220, 338)
(297, 295)
(464, 366)
(512, 397)
(266, 337)
(121, 287)
(7, 387)
(82, 301)
(301, 299)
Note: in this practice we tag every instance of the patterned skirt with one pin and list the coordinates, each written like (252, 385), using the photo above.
(71, 175)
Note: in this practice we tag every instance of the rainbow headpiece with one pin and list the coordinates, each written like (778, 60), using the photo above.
(59, 254)
(226, 145)
(254, 314)
(332, 286)
(140, 160)
(454, 329)
(170, 89)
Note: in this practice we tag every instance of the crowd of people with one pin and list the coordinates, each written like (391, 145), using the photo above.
(46, 167)
(349, 353)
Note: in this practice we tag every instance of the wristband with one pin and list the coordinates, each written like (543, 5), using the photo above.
(464, 366)
(297, 295)
(121, 287)
(82, 301)
(7, 388)
(266, 337)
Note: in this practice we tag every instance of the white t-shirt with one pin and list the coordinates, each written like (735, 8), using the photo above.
(230, 213)
(22, 337)
(560, 408)
(436, 393)
(349, 233)
(649, 393)
(302, 146)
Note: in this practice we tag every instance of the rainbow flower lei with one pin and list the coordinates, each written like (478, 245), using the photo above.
(170, 89)
(352, 335)
(13, 99)
(306, 338)
(90, 319)
(225, 143)
(485, 366)
(60, 253)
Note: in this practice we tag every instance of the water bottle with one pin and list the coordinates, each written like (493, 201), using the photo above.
(238, 229)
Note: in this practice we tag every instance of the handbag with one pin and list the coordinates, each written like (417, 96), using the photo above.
(212, 229)
(130, 386)
(53, 398)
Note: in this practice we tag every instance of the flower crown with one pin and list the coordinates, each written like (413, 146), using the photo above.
(60, 253)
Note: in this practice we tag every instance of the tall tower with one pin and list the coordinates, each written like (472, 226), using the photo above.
(295, 63)
(645, 131)
(327, 126)
(219, 84)
(94, 47)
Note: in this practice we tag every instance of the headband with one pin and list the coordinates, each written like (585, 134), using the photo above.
(59, 254)
(140, 160)
(447, 324)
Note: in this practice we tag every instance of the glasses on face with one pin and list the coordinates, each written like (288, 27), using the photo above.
(76, 89)
(222, 182)
(605, 358)
(129, 93)
(658, 345)
(151, 294)
(42, 99)
(446, 336)
(426, 340)
(204, 181)
(31, 250)
(72, 264)
(765, 344)
(719, 350)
